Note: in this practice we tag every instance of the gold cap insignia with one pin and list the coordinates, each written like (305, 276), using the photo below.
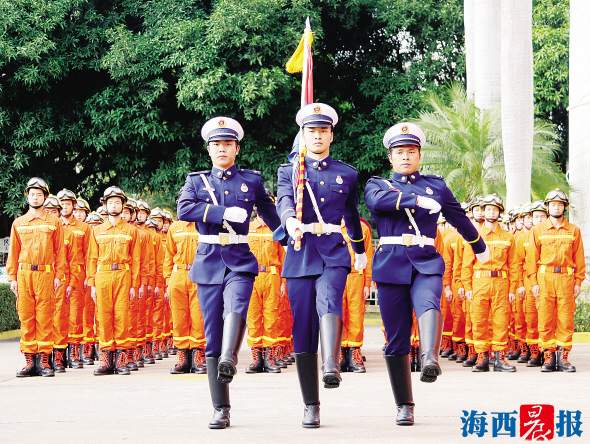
(221, 123)
(317, 109)
(404, 129)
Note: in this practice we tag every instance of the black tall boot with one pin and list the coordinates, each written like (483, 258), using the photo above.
(219, 397)
(234, 326)
(330, 338)
(307, 371)
(430, 329)
(398, 368)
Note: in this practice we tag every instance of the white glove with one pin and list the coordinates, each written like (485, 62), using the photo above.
(484, 256)
(292, 226)
(235, 214)
(428, 204)
(360, 261)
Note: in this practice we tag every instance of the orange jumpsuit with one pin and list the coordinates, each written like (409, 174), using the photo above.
(61, 307)
(518, 307)
(78, 234)
(491, 283)
(449, 237)
(187, 321)
(556, 264)
(166, 312)
(353, 300)
(158, 300)
(137, 304)
(36, 257)
(144, 317)
(458, 304)
(113, 268)
(264, 320)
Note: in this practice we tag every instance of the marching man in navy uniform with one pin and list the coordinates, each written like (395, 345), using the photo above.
(316, 273)
(220, 201)
(406, 266)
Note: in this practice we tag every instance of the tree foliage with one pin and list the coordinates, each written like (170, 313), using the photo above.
(464, 144)
(98, 92)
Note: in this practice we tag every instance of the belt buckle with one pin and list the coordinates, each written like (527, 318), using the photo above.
(494, 273)
(317, 228)
(557, 269)
(223, 239)
(407, 239)
(114, 267)
(34, 267)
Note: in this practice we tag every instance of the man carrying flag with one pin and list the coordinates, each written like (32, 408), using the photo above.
(314, 194)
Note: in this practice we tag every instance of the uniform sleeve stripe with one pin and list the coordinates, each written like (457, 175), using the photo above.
(206, 211)
(475, 240)
(399, 197)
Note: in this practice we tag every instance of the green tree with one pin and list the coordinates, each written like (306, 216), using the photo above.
(464, 145)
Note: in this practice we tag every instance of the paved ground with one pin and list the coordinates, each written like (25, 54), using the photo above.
(154, 406)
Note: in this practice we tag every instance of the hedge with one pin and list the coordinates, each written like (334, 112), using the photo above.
(8, 317)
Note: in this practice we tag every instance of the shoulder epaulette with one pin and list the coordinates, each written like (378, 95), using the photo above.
(245, 170)
(378, 178)
(433, 176)
(285, 164)
(346, 164)
(194, 173)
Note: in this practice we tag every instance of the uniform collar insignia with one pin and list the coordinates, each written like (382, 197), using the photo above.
(318, 164)
(406, 178)
(227, 174)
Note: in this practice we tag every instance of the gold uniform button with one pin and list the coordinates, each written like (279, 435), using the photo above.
(322, 199)
(226, 192)
(410, 227)
(413, 211)
(321, 182)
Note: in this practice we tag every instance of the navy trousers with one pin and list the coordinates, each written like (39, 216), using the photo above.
(232, 296)
(396, 303)
(312, 297)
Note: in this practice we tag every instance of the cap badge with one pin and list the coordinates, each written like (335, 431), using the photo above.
(221, 123)
(317, 109)
(429, 191)
(404, 129)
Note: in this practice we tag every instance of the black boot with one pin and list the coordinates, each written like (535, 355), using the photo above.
(121, 363)
(549, 361)
(59, 358)
(514, 350)
(430, 329)
(525, 353)
(43, 366)
(88, 354)
(355, 361)
(471, 357)
(461, 352)
(199, 363)
(234, 326)
(183, 363)
(74, 356)
(29, 368)
(330, 338)
(268, 360)
(500, 363)
(257, 364)
(483, 363)
(563, 363)
(219, 397)
(536, 359)
(398, 368)
(307, 372)
(344, 359)
(106, 366)
(148, 356)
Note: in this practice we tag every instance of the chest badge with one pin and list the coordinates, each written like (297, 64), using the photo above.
(244, 188)
(339, 180)
(429, 191)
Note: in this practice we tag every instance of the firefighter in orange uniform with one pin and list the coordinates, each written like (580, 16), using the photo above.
(167, 318)
(539, 216)
(36, 269)
(556, 268)
(145, 352)
(181, 292)
(113, 274)
(447, 236)
(61, 307)
(136, 304)
(356, 292)
(78, 235)
(90, 348)
(519, 347)
(263, 320)
(155, 223)
(491, 287)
